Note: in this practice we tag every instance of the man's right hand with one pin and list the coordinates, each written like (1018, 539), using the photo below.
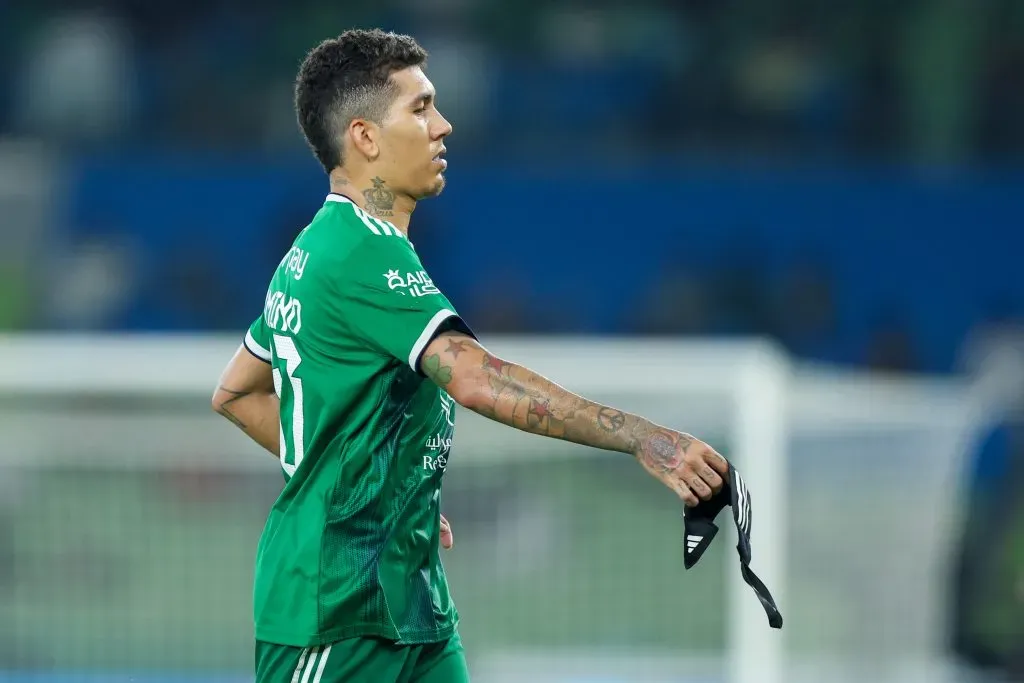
(688, 466)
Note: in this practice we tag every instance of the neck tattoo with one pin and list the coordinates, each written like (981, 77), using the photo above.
(380, 200)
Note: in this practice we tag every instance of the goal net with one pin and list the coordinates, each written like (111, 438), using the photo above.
(129, 517)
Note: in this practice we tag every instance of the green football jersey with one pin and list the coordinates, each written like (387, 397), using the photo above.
(350, 547)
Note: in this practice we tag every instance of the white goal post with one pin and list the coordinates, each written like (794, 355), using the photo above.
(747, 392)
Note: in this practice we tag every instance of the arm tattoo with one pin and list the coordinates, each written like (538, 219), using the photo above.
(437, 371)
(495, 364)
(538, 412)
(523, 399)
(455, 347)
(663, 453)
(224, 410)
(380, 201)
(520, 398)
(610, 420)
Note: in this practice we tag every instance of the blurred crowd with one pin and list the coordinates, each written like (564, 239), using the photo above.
(931, 80)
(120, 90)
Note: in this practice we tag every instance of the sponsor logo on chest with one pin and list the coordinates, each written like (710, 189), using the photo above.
(410, 284)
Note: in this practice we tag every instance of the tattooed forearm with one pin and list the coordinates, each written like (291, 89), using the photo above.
(610, 420)
(257, 413)
(224, 406)
(518, 397)
(527, 401)
(501, 382)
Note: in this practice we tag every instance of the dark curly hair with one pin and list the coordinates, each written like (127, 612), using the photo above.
(345, 78)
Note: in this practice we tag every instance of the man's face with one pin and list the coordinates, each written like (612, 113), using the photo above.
(412, 138)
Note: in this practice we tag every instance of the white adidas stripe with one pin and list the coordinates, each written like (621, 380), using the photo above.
(382, 224)
(298, 667)
(750, 515)
(365, 218)
(323, 663)
(376, 225)
(387, 227)
(744, 506)
(742, 502)
(309, 665)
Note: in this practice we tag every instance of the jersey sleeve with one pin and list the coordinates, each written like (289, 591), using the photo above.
(390, 303)
(257, 339)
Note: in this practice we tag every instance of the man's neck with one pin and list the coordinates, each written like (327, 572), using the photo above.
(375, 197)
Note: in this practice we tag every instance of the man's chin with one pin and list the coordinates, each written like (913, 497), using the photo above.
(435, 189)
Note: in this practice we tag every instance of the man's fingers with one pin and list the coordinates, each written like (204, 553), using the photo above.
(697, 485)
(687, 495)
(447, 539)
(717, 462)
(710, 478)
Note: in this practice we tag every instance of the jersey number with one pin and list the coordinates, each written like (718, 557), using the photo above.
(284, 348)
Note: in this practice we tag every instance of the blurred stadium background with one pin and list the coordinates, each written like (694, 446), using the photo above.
(643, 197)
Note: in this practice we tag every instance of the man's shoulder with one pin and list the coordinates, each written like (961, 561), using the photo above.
(341, 210)
(341, 242)
(334, 233)
(342, 233)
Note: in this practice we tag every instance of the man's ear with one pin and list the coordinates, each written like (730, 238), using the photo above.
(364, 137)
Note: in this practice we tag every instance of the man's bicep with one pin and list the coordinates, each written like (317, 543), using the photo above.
(459, 364)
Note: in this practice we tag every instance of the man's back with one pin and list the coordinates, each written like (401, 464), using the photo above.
(350, 546)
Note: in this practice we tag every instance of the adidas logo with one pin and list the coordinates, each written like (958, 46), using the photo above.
(692, 542)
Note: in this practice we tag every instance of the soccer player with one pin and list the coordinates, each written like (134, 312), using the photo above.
(350, 375)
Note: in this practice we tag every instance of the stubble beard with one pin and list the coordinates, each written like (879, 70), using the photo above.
(435, 190)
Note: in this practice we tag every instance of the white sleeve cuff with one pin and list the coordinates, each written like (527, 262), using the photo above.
(255, 349)
(427, 335)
